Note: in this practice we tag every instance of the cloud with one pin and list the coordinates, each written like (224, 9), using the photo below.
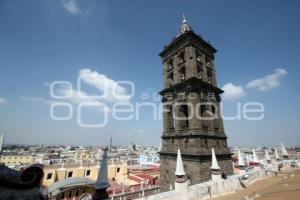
(112, 91)
(38, 100)
(76, 96)
(268, 82)
(232, 92)
(71, 6)
(141, 131)
(3, 101)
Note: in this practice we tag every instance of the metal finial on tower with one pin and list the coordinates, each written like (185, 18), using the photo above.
(184, 26)
(184, 19)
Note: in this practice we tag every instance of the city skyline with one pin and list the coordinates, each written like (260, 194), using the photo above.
(43, 42)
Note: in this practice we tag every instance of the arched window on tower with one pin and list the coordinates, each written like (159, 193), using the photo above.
(206, 144)
(181, 57)
(170, 64)
(185, 115)
(198, 56)
(213, 108)
(171, 78)
(209, 75)
(186, 143)
(199, 70)
(208, 62)
(182, 73)
(172, 122)
(203, 109)
(204, 114)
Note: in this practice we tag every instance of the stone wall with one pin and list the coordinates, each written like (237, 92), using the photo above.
(137, 194)
(197, 171)
(210, 189)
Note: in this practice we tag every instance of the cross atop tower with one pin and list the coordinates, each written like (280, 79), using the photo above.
(184, 26)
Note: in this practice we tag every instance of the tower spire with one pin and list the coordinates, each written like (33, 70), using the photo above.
(102, 183)
(283, 150)
(215, 168)
(180, 180)
(111, 143)
(184, 26)
(179, 165)
(276, 154)
(241, 162)
(214, 162)
(267, 155)
(255, 159)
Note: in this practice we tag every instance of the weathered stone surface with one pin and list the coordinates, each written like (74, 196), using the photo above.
(189, 70)
(21, 185)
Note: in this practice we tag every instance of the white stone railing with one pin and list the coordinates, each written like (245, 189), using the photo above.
(209, 189)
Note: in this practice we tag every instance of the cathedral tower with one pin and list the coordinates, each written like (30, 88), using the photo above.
(191, 117)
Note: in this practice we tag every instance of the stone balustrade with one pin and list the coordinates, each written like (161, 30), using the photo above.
(210, 189)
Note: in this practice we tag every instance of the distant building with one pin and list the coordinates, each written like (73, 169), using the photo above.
(84, 154)
(15, 160)
(149, 158)
(53, 173)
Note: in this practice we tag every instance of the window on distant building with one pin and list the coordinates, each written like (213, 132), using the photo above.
(88, 172)
(70, 174)
(118, 169)
(49, 176)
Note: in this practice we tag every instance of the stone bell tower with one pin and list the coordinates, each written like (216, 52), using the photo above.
(191, 117)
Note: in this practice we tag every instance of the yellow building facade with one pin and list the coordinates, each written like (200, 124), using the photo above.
(14, 160)
(52, 173)
(84, 154)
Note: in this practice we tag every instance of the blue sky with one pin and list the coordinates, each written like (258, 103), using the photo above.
(51, 40)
